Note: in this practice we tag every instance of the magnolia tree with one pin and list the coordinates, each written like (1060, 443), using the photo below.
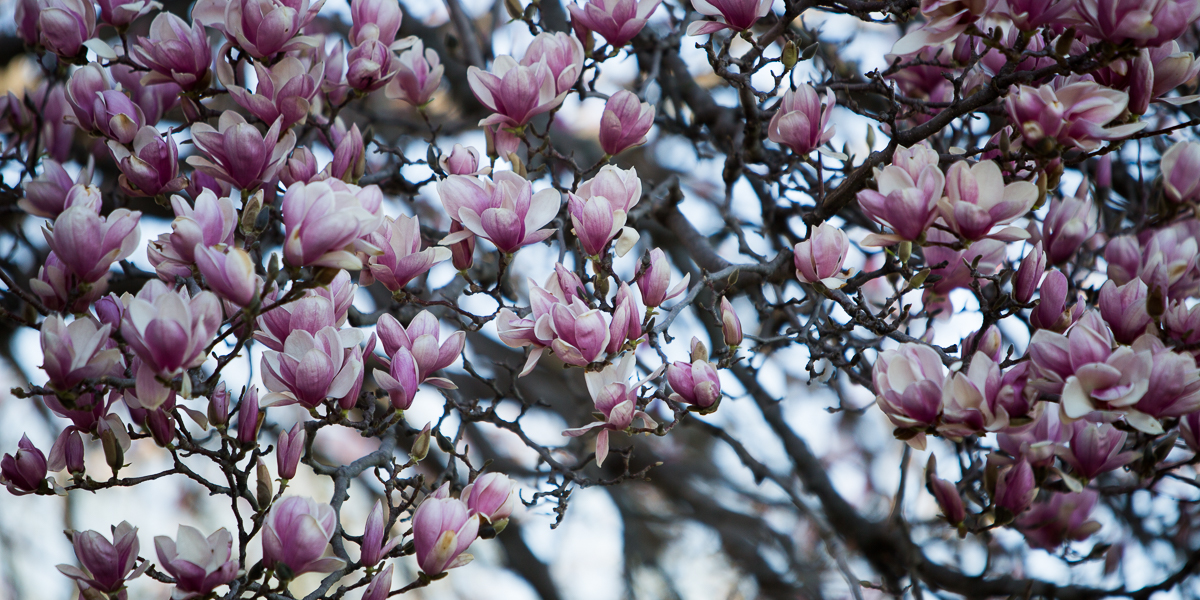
(993, 259)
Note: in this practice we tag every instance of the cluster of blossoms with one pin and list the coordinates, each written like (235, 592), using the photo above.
(270, 250)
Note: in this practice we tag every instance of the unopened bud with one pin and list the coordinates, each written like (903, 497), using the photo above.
(1005, 142)
(514, 9)
(1062, 47)
(919, 278)
(518, 166)
(810, 51)
(699, 350)
(420, 447)
(904, 252)
(1156, 303)
(114, 455)
(790, 55)
(250, 213)
(264, 489)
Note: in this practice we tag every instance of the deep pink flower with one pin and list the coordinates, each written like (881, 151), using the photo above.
(977, 200)
(260, 27)
(152, 168)
(617, 20)
(211, 222)
(106, 565)
(169, 331)
(198, 564)
(615, 398)
(907, 200)
(503, 210)
(418, 75)
(285, 91)
(314, 367)
(738, 15)
(820, 257)
(515, 93)
(653, 281)
(236, 152)
(1075, 114)
(77, 351)
(800, 122)
(24, 472)
(323, 220)
(175, 53)
(88, 244)
(908, 387)
(65, 25)
(492, 496)
(625, 122)
(562, 54)
(53, 191)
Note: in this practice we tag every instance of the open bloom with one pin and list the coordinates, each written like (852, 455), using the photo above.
(78, 350)
(1112, 383)
(908, 388)
(504, 210)
(296, 533)
(443, 529)
(492, 496)
(211, 222)
(418, 74)
(1075, 114)
(422, 339)
(153, 166)
(106, 565)
(1166, 259)
(1174, 381)
(1063, 517)
(800, 122)
(52, 192)
(563, 55)
(515, 93)
(374, 20)
(1069, 223)
(907, 200)
(977, 200)
(820, 257)
(402, 259)
(314, 367)
(1095, 448)
(738, 15)
(236, 152)
(88, 244)
(625, 122)
(260, 27)
(198, 564)
(168, 330)
(615, 397)
(1142, 22)
(285, 91)
(972, 400)
(175, 53)
(617, 20)
(323, 219)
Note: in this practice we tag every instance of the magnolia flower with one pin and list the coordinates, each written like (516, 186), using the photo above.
(514, 92)
(198, 564)
(654, 279)
(175, 53)
(402, 259)
(800, 122)
(820, 257)
(77, 351)
(106, 565)
(616, 400)
(88, 244)
(909, 388)
(738, 15)
(617, 20)
(504, 210)
(285, 91)
(296, 534)
(322, 219)
(418, 75)
(907, 200)
(977, 200)
(261, 28)
(443, 529)
(624, 122)
(211, 222)
(422, 339)
(236, 152)
(315, 367)
(562, 54)
(169, 331)
(1075, 114)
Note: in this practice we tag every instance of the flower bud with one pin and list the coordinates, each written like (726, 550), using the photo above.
(1029, 275)
(625, 122)
(420, 446)
(731, 325)
(289, 451)
(819, 259)
(945, 493)
(248, 418)
(374, 549)
(24, 472)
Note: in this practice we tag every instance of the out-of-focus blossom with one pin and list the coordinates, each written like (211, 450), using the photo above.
(53, 191)
(462, 160)
(211, 222)
(402, 259)
(1062, 518)
(261, 28)
(957, 272)
(380, 587)
(800, 122)
(84, 92)
(1052, 312)
(322, 219)
(1095, 448)
(65, 25)
(1124, 308)
(374, 548)
(971, 400)
(285, 91)
(562, 54)
(738, 15)
(615, 397)
(199, 181)
(1180, 164)
(106, 565)
(945, 493)
(946, 19)
(625, 122)
(289, 450)
(1174, 381)
(515, 93)
(977, 200)
(168, 330)
(229, 273)
(1029, 274)
(155, 99)
(422, 338)
(418, 75)
(617, 20)
(88, 244)
(1075, 115)
(76, 351)
(908, 387)
(1142, 22)
(301, 167)
(731, 324)
(907, 200)
(314, 367)
(443, 529)
(1069, 223)
(1028, 15)
(236, 152)
(175, 53)
(67, 452)
(820, 257)
(198, 564)
(503, 210)
(1166, 259)
(1015, 488)
(374, 20)
(462, 252)
(60, 290)
(120, 13)
(24, 472)
(153, 166)
(349, 157)
(26, 18)
(295, 535)
(218, 406)
(370, 66)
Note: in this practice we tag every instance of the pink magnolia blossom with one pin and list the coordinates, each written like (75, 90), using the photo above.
(323, 220)
(402, 259)
(24, 472)
(260, 27)
(418, 75)
(907, 200)
(228, 272)
(152, 168)
(211, 222)
(800, 122)
(107, 566)
(315, 367)
(88, 244)
(443, 529)
(492, 496)
(514, 92)
(120, 13)
(374, 548)
(503, 210)
(78, 350)
(615, 398)
(1180, 164)
(738, 15)
(1174, 381)
(422, 338)
(654, 281)
(462, 160)
(1165, 259)
(617, 20)
(175, 53)
(169, 331)
(971, 400)
(1029, 274)
(1063, 517)
(236, 152)
(945, 493)
(908, 387)
(198, 564)
(52, 192)
(1124, 308)
(1095, 448)
(66, 25)
(1142, 22)
(624, 123)
(285, 91)
(1069, 223)
(563, 55)
(977, 200)
(1015, 488)
(296, 533)
(820, 257)
(694, 383)
(1075, 114)
(374, 20)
